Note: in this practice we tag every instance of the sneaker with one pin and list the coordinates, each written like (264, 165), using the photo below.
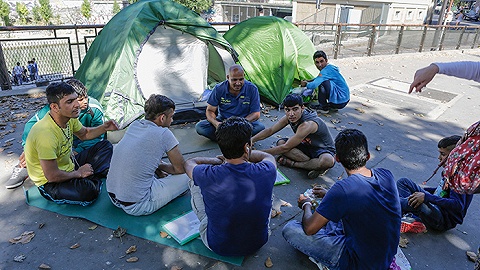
(319, 265)
(412, 227)
(18, 177)
(314, 174)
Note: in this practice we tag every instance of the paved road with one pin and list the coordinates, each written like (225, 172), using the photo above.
(406, 127)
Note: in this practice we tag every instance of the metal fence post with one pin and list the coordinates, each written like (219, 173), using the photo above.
(444, 31)
(71, 56)
(460, 39)
(78, 46)
(422, 40)
(399, 39)
(475, 38)
(371, 42)
(336, 46)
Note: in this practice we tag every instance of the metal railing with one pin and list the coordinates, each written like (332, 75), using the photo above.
(59, 50)
(348, 40)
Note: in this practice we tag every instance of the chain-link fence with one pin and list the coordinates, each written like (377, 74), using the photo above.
(53, 56)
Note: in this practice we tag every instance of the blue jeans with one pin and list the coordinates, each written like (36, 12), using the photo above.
(324, 94)
(326, 246)
(429, 213)
(206, 129)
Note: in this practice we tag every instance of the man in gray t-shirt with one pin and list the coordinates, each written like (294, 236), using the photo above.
(310, 148)
(139, 182)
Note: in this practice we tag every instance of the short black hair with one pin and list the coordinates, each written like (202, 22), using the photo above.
(318, 54)
(156, 105)
(78, 86)
(292, 99)
(351, 148)
(57, 90)
(449, 142)
(232, 135)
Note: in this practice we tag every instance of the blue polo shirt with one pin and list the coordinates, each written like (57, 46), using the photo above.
(247, 102)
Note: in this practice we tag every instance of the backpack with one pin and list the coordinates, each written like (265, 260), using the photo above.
(462, 168)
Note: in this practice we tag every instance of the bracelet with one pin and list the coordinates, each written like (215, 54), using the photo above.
(305, 204)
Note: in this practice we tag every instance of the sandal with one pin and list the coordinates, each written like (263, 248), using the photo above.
(285, 161)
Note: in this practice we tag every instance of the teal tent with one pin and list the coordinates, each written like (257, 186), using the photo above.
(273, 53)
(154, 46)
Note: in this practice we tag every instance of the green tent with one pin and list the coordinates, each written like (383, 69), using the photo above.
(154, 46)
(273, 53)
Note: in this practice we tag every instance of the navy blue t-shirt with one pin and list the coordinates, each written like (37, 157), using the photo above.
(238, 201)
(369, 208)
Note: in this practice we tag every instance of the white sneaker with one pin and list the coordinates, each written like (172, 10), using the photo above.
(18, 177)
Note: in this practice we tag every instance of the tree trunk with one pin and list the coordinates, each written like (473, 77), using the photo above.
(5, 82)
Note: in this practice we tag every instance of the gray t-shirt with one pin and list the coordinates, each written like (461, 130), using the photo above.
(135, 159)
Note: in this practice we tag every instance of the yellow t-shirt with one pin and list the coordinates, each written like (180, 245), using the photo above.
(47, 141)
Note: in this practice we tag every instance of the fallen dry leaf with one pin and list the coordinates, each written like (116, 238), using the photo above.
(403, 242)
(274, 213)
(19, 258)
(44, 266)
(76, 245)
(268, 262)
(335, 121)
(163, 234)
(119, 232)
(472, 256)
(131, 249)
(360, 110)
(284, 203)
(132, 259)
(91, 228)
(24, 238)
(176, 268)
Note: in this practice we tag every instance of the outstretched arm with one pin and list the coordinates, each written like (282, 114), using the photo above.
(423, 77)
(469, 70)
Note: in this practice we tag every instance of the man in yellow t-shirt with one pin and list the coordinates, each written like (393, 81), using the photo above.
(59, 175)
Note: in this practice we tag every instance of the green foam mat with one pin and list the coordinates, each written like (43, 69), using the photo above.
(104, 213)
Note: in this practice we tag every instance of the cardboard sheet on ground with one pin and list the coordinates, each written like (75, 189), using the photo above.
(104, 213)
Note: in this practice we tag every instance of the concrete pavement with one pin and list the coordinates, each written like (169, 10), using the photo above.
(406, 129)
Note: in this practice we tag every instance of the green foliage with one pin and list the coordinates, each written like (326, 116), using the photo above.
(86, 9)
(5, 12)
(36, 13)
(22, 12)
(196, 5)
(116, 7)
(45, 11)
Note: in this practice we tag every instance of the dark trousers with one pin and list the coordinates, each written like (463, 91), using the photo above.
(82, 191)
(324, 94)
(428, 212)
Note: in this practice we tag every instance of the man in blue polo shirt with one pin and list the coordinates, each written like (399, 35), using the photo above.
(233, 97)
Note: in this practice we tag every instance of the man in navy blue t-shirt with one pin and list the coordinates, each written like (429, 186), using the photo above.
(232, 194)
(357, 224)
(233, 97)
